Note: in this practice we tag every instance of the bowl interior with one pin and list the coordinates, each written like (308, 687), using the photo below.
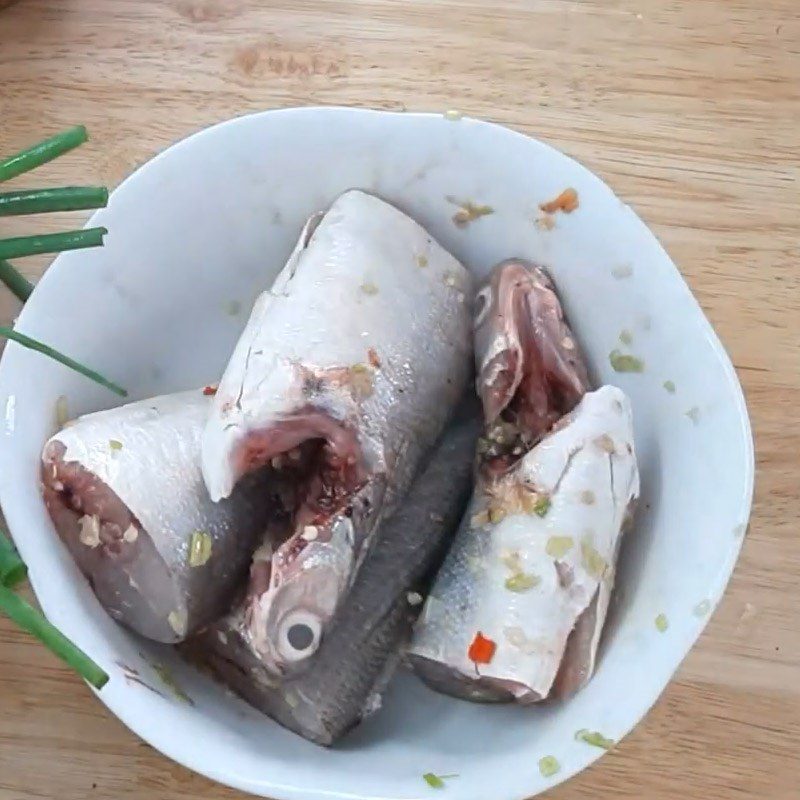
(196, 234)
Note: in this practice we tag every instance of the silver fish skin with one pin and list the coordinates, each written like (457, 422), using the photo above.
(344, 680)
(522, 574)
(345, 374)
(532, 565)
(125, 493)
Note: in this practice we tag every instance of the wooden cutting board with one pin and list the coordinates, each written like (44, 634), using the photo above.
(689, 110)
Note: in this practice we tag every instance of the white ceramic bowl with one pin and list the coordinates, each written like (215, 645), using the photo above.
(207, 225)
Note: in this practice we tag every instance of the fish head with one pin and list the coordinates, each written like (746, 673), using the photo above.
(305, 580)
(530, 370)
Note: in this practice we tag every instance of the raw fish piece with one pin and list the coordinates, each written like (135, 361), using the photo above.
(344, 376)
(124, 490)
(344, 680)
(516, 612)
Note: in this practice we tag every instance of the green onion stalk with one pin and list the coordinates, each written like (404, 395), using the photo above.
(29, 619)
(41, 153)
(21, 246)
(44, 201)
(12, 568)
(40, 347)
(19, 285)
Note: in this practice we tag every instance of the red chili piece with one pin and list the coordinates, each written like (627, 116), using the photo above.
(481, 651)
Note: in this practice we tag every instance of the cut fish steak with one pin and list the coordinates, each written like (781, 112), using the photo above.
(344, 376)
(517, 610)
(125, 493)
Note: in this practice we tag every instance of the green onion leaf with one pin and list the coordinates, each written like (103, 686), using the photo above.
(12, 567)
(29, 619)
(522, 582)
(21, 246)
(200, 545)
(15, 281)
(622, 362)
(41, 153)
(542, 506)
(436, 781)
(33, 344)
(559, 546)
(594, 738)
(43, 201)
(549, 766)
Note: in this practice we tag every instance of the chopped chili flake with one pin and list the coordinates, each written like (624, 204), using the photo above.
(567, 202)
(208, 391)
(373, 358)
(481, 651)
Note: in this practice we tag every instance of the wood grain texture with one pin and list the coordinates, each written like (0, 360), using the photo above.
(689, 110)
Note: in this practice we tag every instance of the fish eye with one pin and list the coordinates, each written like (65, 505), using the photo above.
(299, 636)
(483, 302)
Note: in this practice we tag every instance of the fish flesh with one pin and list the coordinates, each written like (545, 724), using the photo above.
(125, 493)
(530, 369)
(517, 610)
(344, 680)
(346, 373)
